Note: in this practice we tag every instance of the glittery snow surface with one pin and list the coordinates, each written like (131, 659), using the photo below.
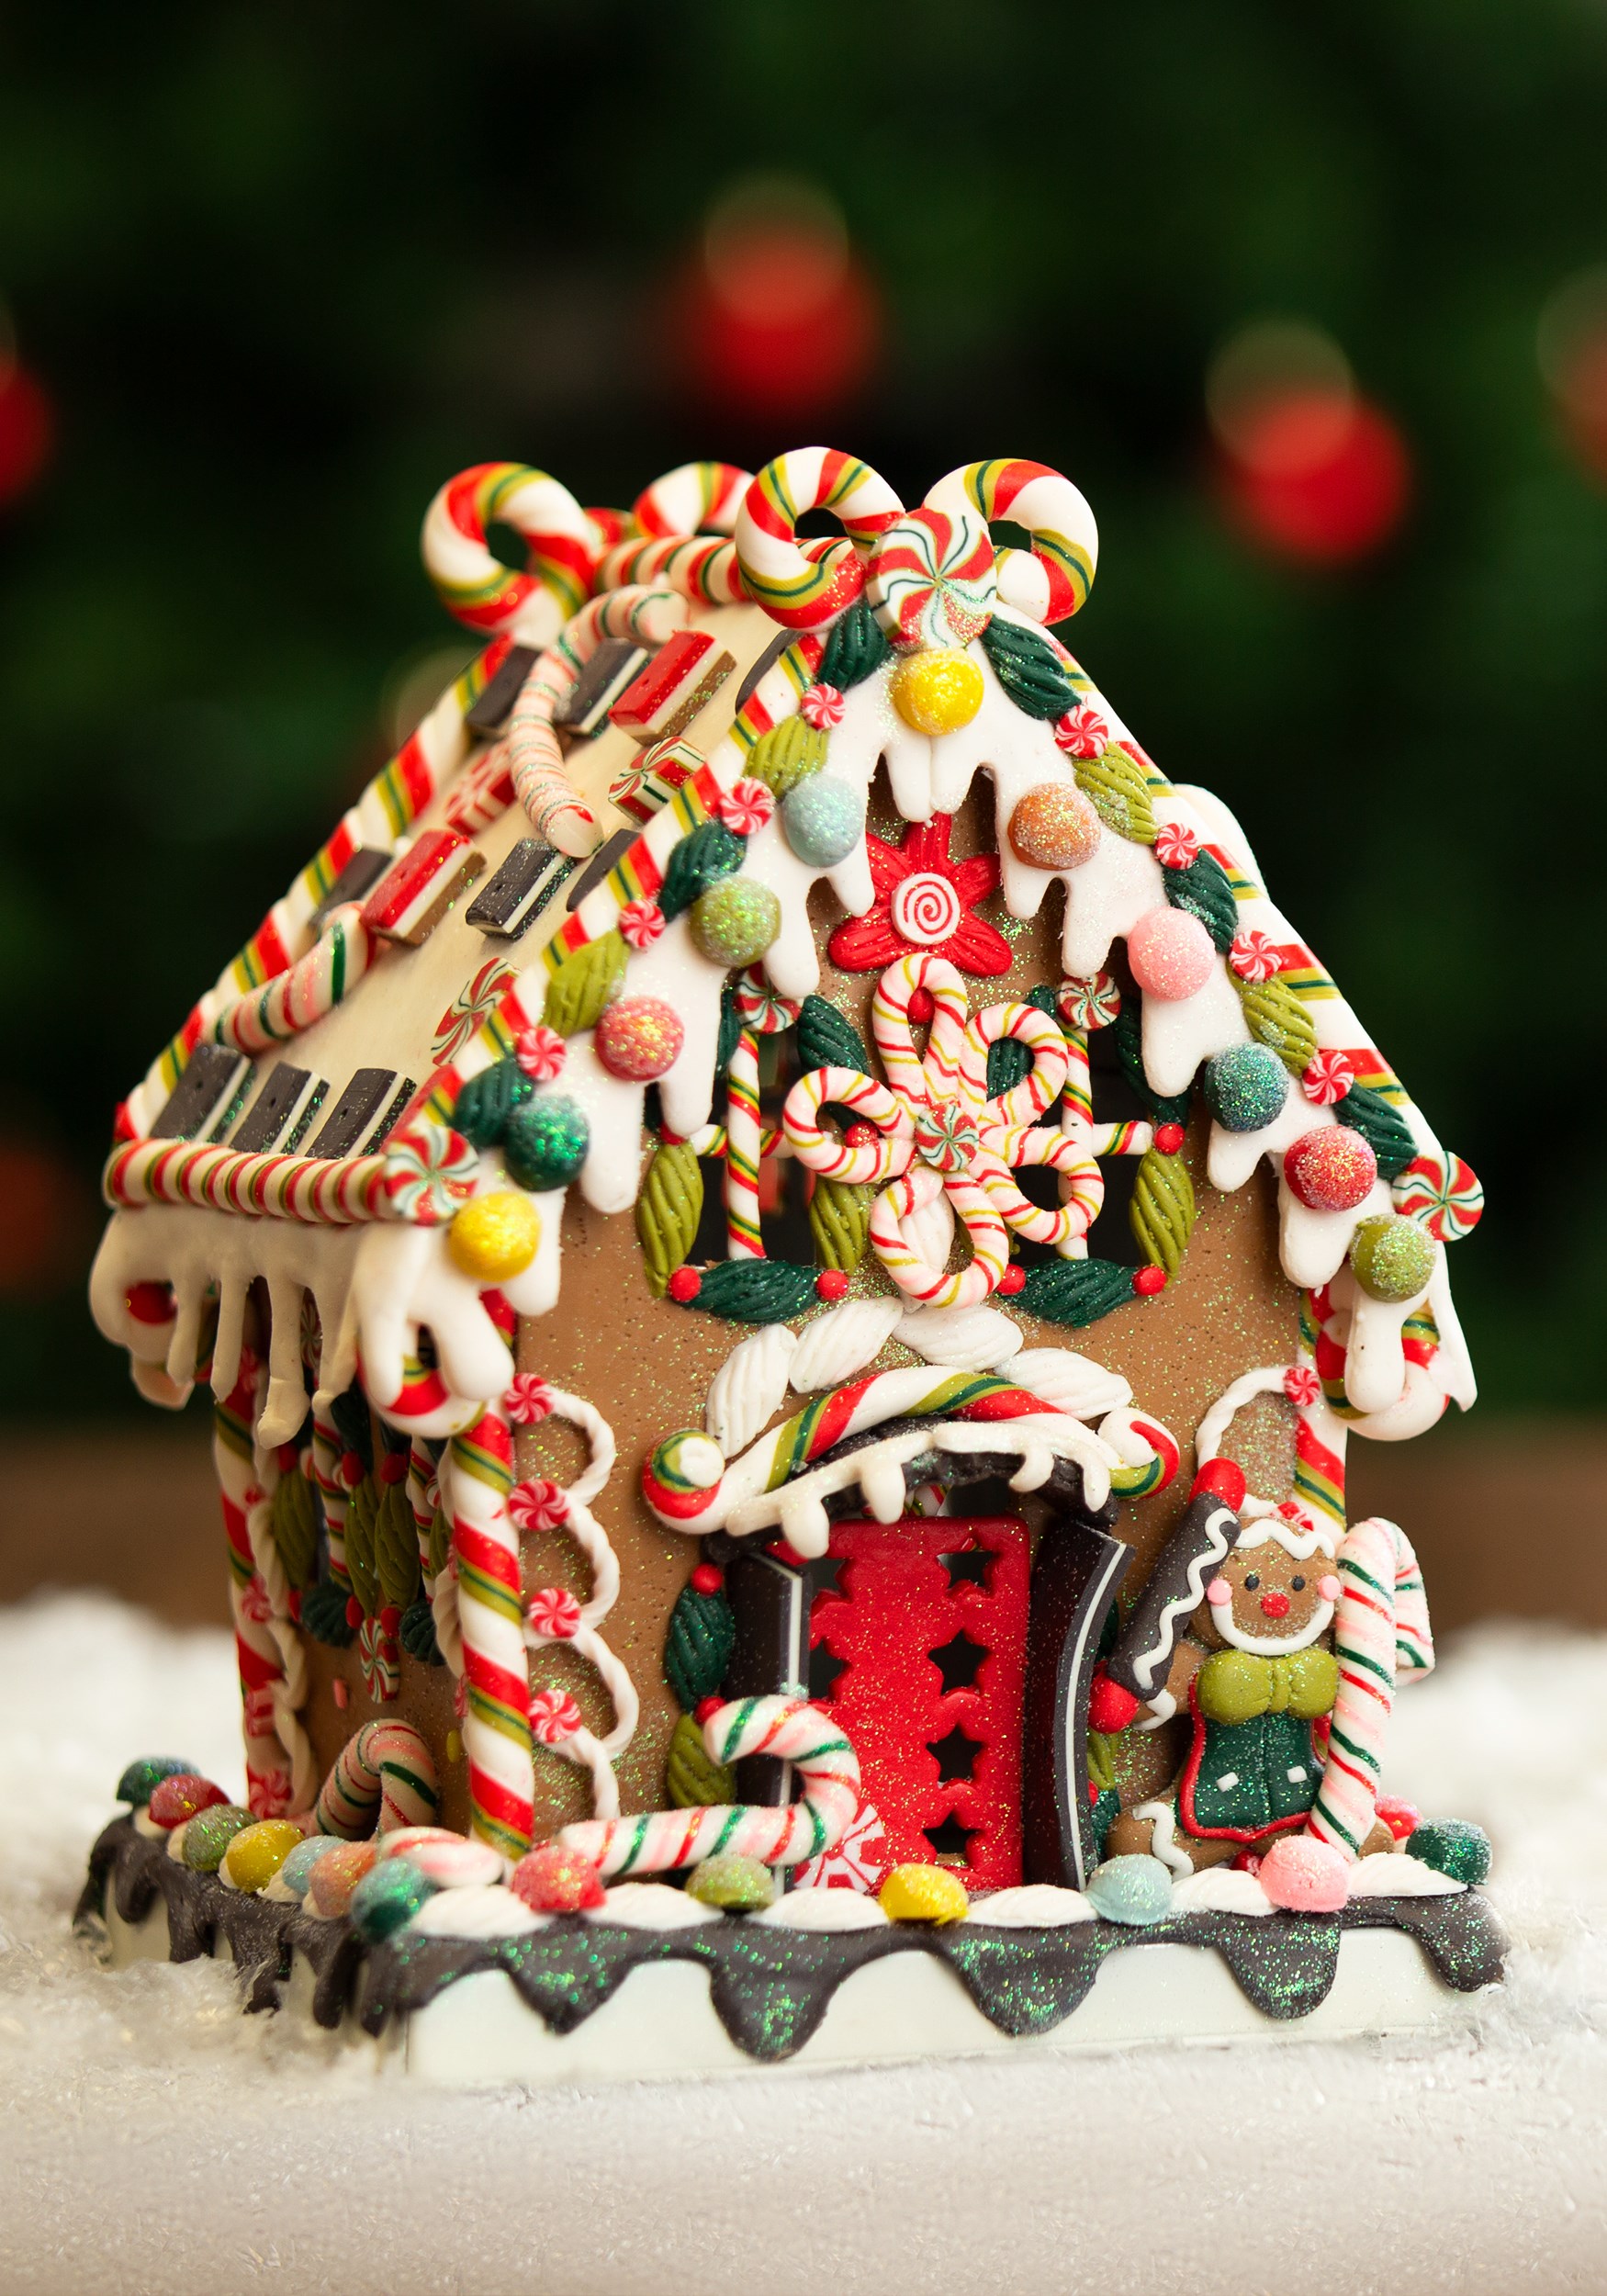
(151, 2138)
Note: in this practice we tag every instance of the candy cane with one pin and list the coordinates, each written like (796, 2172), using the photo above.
(479, 588)
(309, 990)
(914, 1274)
(664, 1842)
(953, 1067)
(848, 1088)
(800, 592)
(1380, 1626)
(694, 498)
(1053, 579)
(541, 780)
(273, 1676)
(322, 1191)
(423, 1496)
(1043, 1084)
(333, 1496)
(931, 579)
(1081, 1183)
(383, 1778)
(490, 1611)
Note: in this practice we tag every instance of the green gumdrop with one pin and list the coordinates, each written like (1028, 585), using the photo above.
(737, 1884)
(387, 1897)
(140, 1779)
(210, 1833)
(735, 921)
(545, 1141)
(488, 1100)
(1453, 1847)
(1392, 1257)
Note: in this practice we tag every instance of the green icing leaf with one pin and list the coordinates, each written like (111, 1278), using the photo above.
(323, 1616)
(840, 1221)
(787, 755)
(1115, 786)
(1162, 1213)
(697, 1648)
(1163, 1108)
(700, 860)
(694, 1779)
(1075, 1292)
(1382, 1126)
(1027, 665)
(350, 1413)
(583, 984)
(855, 649)
(755, 1291)
(825, 1040)
(1277, 1019)
(730, 1028)
(488, 1100)
(418, 1634)
(667, 1212)
(1204, 890)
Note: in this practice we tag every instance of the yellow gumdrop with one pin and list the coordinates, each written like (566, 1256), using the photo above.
(923, 1893)
(495, 1237)
(937, 690)
(454, 1746)
(256, 1853)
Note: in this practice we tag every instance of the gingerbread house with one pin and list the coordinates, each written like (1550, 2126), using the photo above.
(786, 1242)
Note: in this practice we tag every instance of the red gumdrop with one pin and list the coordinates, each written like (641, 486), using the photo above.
(707, 1578)
(1331, 1169)
(174, 1801)
(1011, 1281)
(685, 1284)
(831, 1283)
(1223, 1480)
(557, 1879)
(860, 1135)
(1402, 1818)
(1169, 1138)
(1148, 1281)
(1110, 1706)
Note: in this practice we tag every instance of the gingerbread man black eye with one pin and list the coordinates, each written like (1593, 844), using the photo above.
(1252, 1580)
(1297, 1582)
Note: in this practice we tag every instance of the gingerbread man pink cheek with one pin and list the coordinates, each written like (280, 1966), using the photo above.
(651, 1270)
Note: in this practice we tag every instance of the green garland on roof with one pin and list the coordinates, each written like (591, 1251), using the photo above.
(855, 650)
(1026, 665)
(1204, 890)
(1382, 1126)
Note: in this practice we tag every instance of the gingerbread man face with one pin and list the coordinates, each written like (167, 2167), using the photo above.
(1267, 1599)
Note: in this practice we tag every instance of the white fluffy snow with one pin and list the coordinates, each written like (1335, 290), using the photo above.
(154, 2139)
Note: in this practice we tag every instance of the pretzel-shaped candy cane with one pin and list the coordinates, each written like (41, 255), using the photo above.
(471, 583)
(664, 1842)
(953, 1067)
(385, 1773)
(800, 590)
(1082, 1191)
(1041, 1085)
(989, 1245)
(846, 1088)
(1053, 579)
(540, 779)
(1380, 1628)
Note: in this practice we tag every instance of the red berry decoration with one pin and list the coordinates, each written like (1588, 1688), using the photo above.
(392, 1467)
(705, 1708)
(707, 1578)
(150, 1303)
(860, 1135)
(555, 1879)
(1148, 1281)
(1332, 1169)
(921, 1007)
(353, 1611)
(685, 1284)
(351, 1468)
(1011, 1281)
(831, 1284)
(1169, 1138)
(391, 1619)
(174, 1801)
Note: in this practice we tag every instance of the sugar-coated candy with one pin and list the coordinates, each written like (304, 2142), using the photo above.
(1134, 1890)
(735, 921)
(734, 1883)
(387, 1897)
(557, 1879)
(923, 1893)
(210, 1833)
(1454, 1848)
(140, 1779)
(297, 1871)
(495, 1237)
(258, 1853)
(824, 820)
(1331, 1168)
(545, 1140)
(1246, 1087)
(1171, 953)
(1052, 826)
(1392, 1257)
(638, 1038)
(335, 1877)
(937, 690)
(1301, 1874)
(175, 1799)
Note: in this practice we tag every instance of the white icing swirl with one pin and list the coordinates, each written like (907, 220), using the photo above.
(835, 1346)
(749, 1388)
(1036, 1905)
(962, 1339)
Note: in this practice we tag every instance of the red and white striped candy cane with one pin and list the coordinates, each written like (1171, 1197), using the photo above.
(541, 780)
(312, 987)
(273, 1680)
(678, 521)
(383, 1778)
(801, 590)
(1053, 579)
(1004, 1150)
(323, 1191)
(474, 586)
(849, 1089)
(915, 1276)
(747, 1140)
(663, 1842)
(423, 1493)
(951, 1068)
(1380, 1630)
(490, 1615)
(334, 1496)
(1041, 1085)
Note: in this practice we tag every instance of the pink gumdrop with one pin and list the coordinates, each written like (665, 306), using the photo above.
(1170, 955)
(1328, 1587)
(1331, 1169)
(638, 1038)
(1219, 1590)
(336, 1876)
(1303, 1875)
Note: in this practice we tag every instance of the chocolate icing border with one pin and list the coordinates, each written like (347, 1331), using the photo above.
(771, 1987)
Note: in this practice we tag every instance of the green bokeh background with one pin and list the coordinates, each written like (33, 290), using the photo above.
(284, 269)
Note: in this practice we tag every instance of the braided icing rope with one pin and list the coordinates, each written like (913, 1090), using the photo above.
(1380, 1630)
(1053, 579)
(272, 1660)
(474, 586)
(801, 590)
(931, 578)
(304, 992)
(384, 1778)
(664, 1842)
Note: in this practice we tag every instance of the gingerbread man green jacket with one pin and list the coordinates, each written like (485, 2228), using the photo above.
(1251, 1769)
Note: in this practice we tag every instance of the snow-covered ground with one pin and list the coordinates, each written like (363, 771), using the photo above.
(151, 2138)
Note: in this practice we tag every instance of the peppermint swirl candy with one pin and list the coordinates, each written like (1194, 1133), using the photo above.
(539, 1504)
(1442, 1192)
(926, 909)
(947, 1137)
(931, 578)
(760, 1006)
(469, 1009)
(554, 1717)
(1092, 1002)
(553, 1613)
(428, 1171)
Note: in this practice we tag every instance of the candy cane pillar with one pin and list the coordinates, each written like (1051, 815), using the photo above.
(490, 1603)
(278, 1755)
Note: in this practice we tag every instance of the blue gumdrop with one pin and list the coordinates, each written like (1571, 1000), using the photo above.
(297, 1871)
(1137, 1890)
(140, 1779)
(824, 820)
(1246, 1087)
(387, 1898)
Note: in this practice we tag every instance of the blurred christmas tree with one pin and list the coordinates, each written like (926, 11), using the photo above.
(273, 277)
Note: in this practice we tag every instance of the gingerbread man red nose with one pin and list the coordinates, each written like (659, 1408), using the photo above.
(1275, 1605)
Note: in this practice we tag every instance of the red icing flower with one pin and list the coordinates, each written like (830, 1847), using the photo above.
(539, 1505)
(1253, 957)
(1082, 732)
(1327, 1077)
(528, 1400)
(1301, 1385)
(540, 1053)
(554, 1613)
(554, 1716)
(1175, 846)
(924, 900)
(641, 922)
(822, 707)
(746, 807)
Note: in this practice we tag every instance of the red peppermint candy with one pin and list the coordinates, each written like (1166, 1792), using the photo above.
(822, 707)
(538, 1506)
(1301, 1385)
(746, 807)
(1176, 846)
(528, 1400)
(554, 1717)
(554, 1614)
(540, 1052)
(1327, 1077)
(640, 923)
(1082, 732)
(1253, 957)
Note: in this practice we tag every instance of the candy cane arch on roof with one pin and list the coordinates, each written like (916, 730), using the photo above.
(802, 591)
(309, 990)
(383, 1778)
(1053, 578)
(273, 1667)
(474, 586)
(490, 1614)
(540, 778)
(1380, 1631)
(694, 498)
(665, 1842)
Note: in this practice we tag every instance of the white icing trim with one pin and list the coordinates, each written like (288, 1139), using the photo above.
(1396, 1873)
(652, 1906)
(1033, 1906)
(823, 1911)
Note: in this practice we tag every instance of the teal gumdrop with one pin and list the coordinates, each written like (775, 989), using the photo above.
(140, 1779)
(387, 1898)
(1246, 1087)
(1137, 1890)
(824, 820)
(545, 1142)
(209, 1832)
(297, 1871)
(1453, 1847)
